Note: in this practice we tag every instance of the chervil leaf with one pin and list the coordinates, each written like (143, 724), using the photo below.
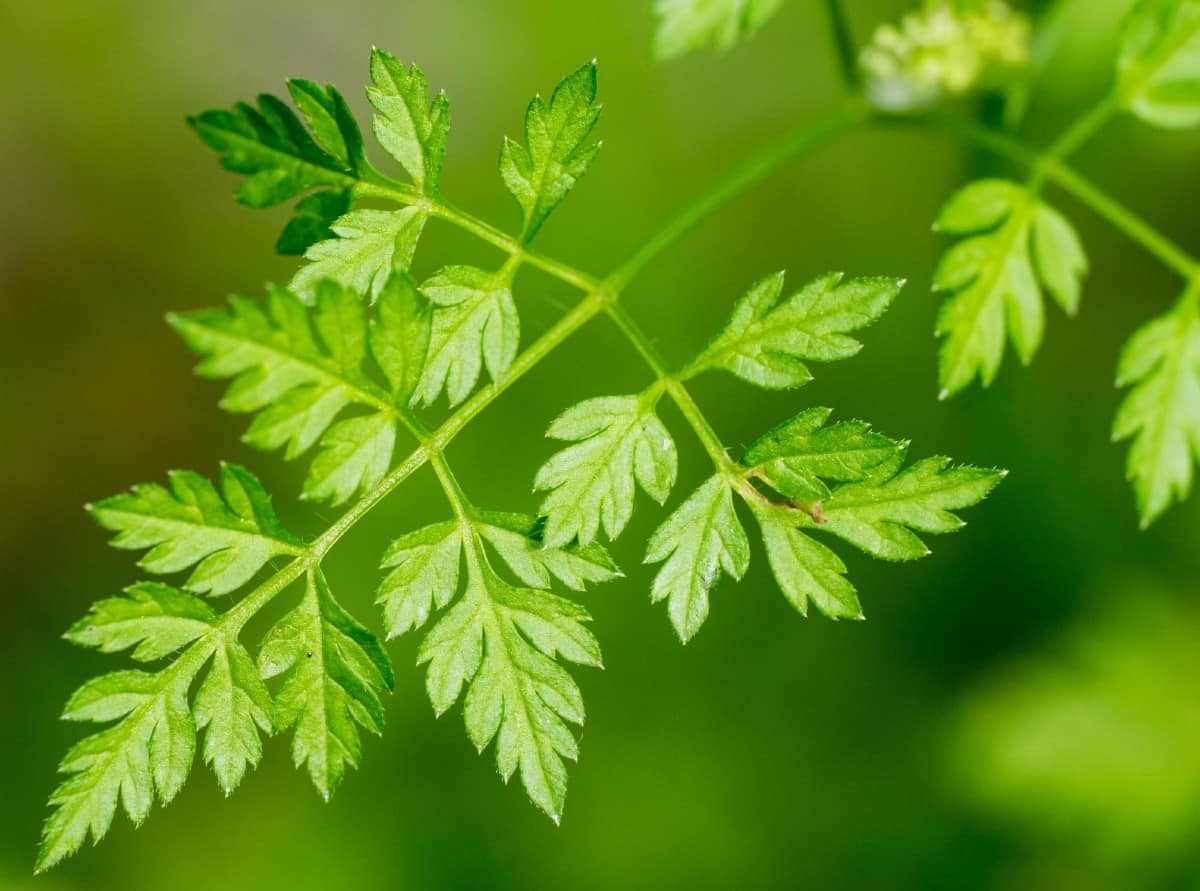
(299, 368)
(501, 642)
(805, 569)
(620, 445)
(685, 26)
(147, 754)
(520, 541)
(370, 246)
(1014, 246)
(475, 324)
(766, 340)
(413, 131)
(283, 161)
(798, 456)
(699, 541)
(1161, 414)
(231, 706)
(424, 573)
(333, 671)
(156, 620)
(1159, 64)
(541, 175)
(882, 514)
(227, 537)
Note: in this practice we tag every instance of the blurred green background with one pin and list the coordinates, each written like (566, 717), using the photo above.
(1019, 712)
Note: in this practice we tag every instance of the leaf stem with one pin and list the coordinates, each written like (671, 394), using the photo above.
(839, 26)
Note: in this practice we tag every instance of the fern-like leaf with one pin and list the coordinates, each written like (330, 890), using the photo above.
(541, 173)
(413, 131)
(620, 444)
(1014, 245)
(685, 26)
(1161, 414)
(227, 536)
(1159, 62)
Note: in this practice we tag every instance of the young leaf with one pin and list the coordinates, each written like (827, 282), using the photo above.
(475, 324)
(227, 537)
(882, 513)
(1159, 64)
(685, 26)
(702, 538)
(501, 643)
(300, 367)
(413, 131)
(369, 247)
(766, 340)
(541, 175)
(1161, 414)
(156, 620)
(232, 706)
(333, 671)
(520, 542)
(1014, 245)
(620, 445)
(798, 456)
(805, 569)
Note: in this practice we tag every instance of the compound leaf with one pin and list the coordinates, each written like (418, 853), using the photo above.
(805, 569)
(701, 539)
(413, 131)
(766, 340)
(369, 247)
(154, 619)
(1013, 246)
(540, 174)
(1161, 414)
(232, 706)
(333, 672)
(1159, 63)
(620, 444)
(227, 536)
(685, 26)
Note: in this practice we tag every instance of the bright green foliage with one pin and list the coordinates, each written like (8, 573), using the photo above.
(370, 245)
(226, 536)
(1159, 65)
(1161, 414)
(148, 752)
(299, 368)
(699, 541)
(1093, 742)
(475, 324)
(500, 641)
(540, 174)
(413, 131)
(843, 479)
(685, 26)
(766, 340)
(620, 444)
(333, 671)
(1013, 246)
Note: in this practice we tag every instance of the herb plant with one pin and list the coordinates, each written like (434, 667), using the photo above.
(339, 367)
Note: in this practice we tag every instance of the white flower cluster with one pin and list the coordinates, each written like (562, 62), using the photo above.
(948, 48)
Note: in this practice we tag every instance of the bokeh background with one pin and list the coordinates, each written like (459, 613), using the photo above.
(1020, 710)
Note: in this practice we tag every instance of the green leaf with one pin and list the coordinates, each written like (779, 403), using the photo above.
(1161, 414)
(424, 573)
(1158, 75)
(146, 755)
(805, 569)
(232, 706)
(413, 131)
(370, 245)
(701, 539)
(300, 367)
(882, 514)
(282, 160)
(520, 541)
(685, 26)
(766, 340)
(620, 444)
(156, 620)
(500, 643)
(1014, 245)
(541, 175)
(333, 671)
(227, 537)
(797, 457)
(475, 324)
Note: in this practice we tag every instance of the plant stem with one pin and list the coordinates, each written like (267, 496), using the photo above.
(843, 41)
(1085, 127)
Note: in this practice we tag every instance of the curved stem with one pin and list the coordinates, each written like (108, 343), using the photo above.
(843, 41)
